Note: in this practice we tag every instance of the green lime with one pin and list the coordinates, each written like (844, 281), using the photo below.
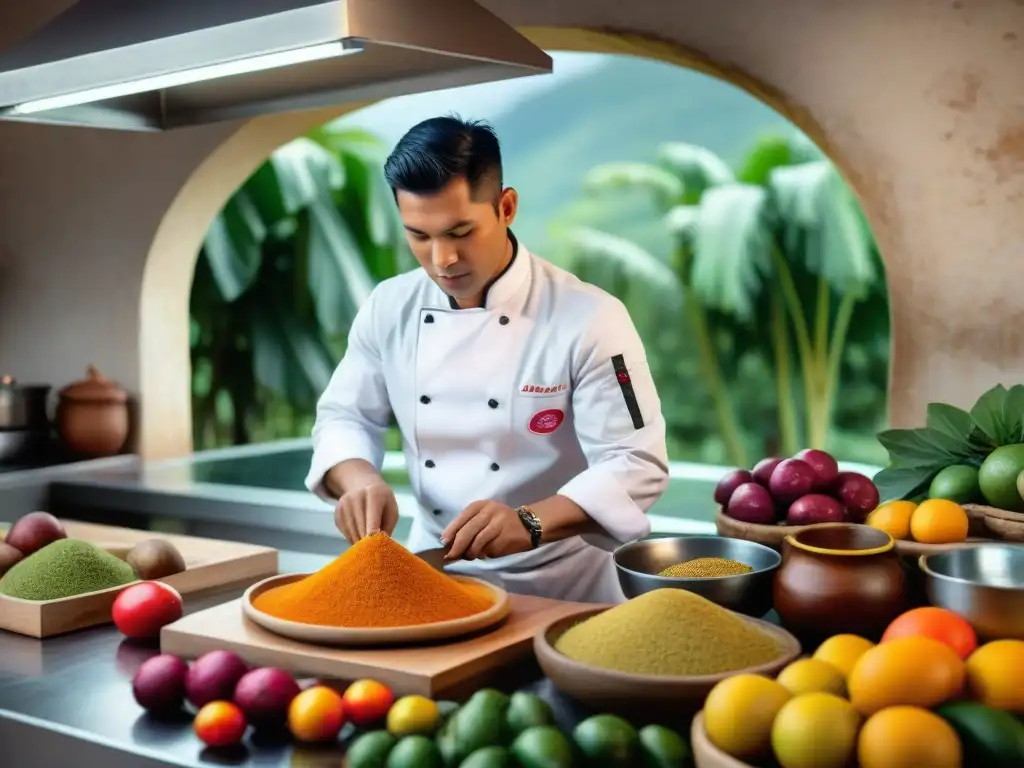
(526, 710)
(479, 723)
(957, 483)
(542, 746)
(990, 737)
(370, 750)
(489, 696)
(415, 752)
(608, 741)
(663, 747)
(488, 757)
(998, 477)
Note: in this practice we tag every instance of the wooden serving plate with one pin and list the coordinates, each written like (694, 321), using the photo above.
(441, 670)
(624, 693)
(209, 564)
(321, 635)
(706, 754)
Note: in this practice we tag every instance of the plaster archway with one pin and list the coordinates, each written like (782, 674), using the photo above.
(165, 412)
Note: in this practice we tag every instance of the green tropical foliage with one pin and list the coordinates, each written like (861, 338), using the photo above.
(283, 270)
(773, 271)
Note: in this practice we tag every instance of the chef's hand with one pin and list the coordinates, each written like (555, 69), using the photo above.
(369, 509)
(486, 529)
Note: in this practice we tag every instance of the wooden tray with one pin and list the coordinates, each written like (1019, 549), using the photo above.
(209, 563)
(774, 535)
(706, 754)
(366, 636)
(447, 670)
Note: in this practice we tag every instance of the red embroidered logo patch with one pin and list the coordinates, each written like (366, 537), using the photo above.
(546, 422)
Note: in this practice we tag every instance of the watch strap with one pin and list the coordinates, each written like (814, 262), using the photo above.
(532, 524)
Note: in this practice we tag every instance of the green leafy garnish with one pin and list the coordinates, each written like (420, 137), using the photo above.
(950, 436)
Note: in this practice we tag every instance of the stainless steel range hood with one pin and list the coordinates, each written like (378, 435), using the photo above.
(160, 64)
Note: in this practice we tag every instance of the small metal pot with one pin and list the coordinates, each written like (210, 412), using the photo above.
(23, 406)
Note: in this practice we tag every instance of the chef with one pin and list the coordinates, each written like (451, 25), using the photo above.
(526, 406)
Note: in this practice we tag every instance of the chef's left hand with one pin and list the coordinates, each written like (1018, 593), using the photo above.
(486, 529)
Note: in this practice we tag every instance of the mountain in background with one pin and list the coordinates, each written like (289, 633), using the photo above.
(621, 111)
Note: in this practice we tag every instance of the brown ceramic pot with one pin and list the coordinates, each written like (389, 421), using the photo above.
(92, 415)
(837, 578)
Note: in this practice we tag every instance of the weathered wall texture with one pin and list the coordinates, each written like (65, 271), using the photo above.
(920, 102)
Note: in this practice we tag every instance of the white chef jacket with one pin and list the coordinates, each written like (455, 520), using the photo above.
(544, 390)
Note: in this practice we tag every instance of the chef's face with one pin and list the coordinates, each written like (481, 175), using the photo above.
(459, 238)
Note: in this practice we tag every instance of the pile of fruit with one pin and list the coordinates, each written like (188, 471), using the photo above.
(925, 695)
(933, 521)
(807, 488)
(491, 730)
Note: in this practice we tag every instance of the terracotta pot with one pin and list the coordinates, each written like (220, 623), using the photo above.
(92, 415)
(837, 578)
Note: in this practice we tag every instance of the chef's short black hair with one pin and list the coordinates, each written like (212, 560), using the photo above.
(436, 151)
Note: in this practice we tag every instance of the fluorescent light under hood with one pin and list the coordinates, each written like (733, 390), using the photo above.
(155, 65)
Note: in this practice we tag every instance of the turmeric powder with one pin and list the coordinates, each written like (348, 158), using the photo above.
(376, 583)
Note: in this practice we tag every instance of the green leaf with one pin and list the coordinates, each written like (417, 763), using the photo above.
(733, 249)
(924, 447)
(697, 167)
(338, 277)
(293, 177)
(999, 414)
(233, 246)
(950, 420)
(904, 482)
(661, 184)
(683, 222)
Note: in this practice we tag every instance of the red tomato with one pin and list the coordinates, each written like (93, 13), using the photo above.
(140, 610)
(367, 702)
(220, 724)
(940, 624)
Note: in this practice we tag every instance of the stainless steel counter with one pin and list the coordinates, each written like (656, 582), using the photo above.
(67, 701)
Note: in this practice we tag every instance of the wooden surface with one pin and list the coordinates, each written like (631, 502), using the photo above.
(438, 670)
(435, 631)
(209, 563)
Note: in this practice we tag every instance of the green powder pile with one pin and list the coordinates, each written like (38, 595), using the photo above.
(669, 632)
(65, 568)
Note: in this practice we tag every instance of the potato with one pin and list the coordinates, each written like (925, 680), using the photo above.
(9, 557)
(155, 559)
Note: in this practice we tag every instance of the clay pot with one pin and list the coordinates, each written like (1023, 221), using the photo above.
(837, 578)
(92, 415)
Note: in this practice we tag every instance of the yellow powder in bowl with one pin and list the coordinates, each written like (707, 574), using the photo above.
(669, 632)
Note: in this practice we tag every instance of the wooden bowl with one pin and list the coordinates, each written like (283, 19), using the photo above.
(606, 690)
(370, 636)
(706, 754)
(1006, 525)
(769, 535)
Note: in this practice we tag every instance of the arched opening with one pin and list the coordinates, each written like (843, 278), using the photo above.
(166, 426)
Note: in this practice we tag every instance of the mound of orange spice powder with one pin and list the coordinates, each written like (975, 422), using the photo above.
(376, 583)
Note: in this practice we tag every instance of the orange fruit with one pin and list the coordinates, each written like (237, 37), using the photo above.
(995, 675)
(939, 521)
(367, 702)
(908, 737)
(937, 623)
(893, 517)
(914, 671)
(842, 651)
(811, 675)
(219, 724)
(316, 714)
(739, 712)
(815, 730)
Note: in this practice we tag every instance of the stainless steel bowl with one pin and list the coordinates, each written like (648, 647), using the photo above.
(639, 563)
(984, 584)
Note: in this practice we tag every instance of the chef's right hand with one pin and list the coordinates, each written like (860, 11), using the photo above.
(366, 510)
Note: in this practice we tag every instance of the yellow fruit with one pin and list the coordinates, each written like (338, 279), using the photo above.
(738, 715)
(908, 737)
(995, 675)
(893, 518)
(842, 651)
(914, 671)
(939, 521)
(815, 730)
(811, 675)
(413, 715)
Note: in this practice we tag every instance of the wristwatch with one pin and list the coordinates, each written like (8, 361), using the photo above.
(532, 524)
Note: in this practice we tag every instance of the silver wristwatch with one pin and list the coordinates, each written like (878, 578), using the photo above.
(532, 524)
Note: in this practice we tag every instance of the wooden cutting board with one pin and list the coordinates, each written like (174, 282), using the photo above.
(209, 564)
(440, 671)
